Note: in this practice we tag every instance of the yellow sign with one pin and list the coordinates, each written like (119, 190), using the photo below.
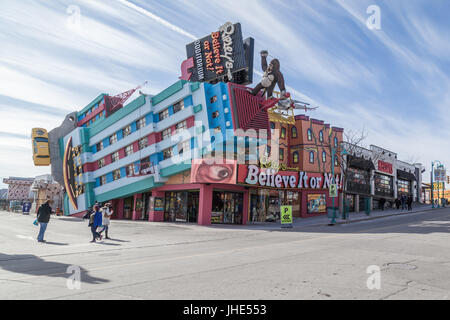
(286, 215)
(438, 186)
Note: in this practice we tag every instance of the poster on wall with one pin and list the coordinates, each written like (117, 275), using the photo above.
(208, 171)
(317, 203)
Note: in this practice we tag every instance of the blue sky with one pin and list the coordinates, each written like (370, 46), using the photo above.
(393, 82)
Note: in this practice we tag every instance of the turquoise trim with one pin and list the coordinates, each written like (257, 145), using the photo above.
(90, 195)
(170, 91)
(129, 190)
(200, 130)
(61, 147)
(90, 105)
(172, 170)
(66, 205)
(84, 137)
(195, 86)
(98, 127)
(198, 108)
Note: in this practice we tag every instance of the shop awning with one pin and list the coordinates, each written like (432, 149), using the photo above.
(360, 163)
(405, 175)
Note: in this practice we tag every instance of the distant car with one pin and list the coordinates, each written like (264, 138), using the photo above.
(41, 149)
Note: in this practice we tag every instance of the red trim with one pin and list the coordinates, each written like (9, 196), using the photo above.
(99, 110)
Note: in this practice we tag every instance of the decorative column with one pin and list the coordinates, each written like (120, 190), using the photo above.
(205, 205)
(357, 203)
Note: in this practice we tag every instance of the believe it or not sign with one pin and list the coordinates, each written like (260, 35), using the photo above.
(215, 56)
(286, 216)
(385, 167)
(271, 178)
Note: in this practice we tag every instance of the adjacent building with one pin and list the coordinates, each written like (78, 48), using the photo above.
(376, 173)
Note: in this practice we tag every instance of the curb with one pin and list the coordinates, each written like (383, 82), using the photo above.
(386, 216)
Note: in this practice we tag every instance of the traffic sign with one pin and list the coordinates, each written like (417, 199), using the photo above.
(333, 190)
(286, 216)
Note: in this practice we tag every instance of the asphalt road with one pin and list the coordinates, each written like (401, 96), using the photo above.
(179, 261)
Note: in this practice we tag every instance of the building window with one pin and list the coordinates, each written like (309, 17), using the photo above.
(404, 187)
(296, 157)
(213, 99)
(178, 107)
(126, 131)
(336, 161)
(113, 139)
(268, 149)
(283, 133)
(168, 153)
(116, 174)
(166, 134)
(281, 154)
(163, 115)
(309, 135)
(335, 142)
(183, 147)
(99, 146)
(143, 143)
(294, 132)
(217, 130)
(311, 157)
(321, 135)
(101, 163)
(102, 180)
(115, 156)
(181, 126)
(272, 125)
(141, 123)
(129, 150)
(215, 115)
(130, 170)
(324, 157)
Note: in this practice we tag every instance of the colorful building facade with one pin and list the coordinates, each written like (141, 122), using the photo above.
(148, 158)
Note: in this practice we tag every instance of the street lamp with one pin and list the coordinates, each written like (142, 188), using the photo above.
(333, 155)
(440, 166)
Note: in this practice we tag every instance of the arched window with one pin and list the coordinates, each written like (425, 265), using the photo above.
(283, 133)
(294, 132)
(296, 157)
(309, 135)
(321, 135)
(335, 142)
(324, 157)
(311, 157)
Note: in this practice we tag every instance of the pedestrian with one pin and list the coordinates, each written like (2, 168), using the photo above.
(43, 218)
(403, 199)
(410, 201)
(397, 203)
(95, 221)
(382, 202)
(107, 212)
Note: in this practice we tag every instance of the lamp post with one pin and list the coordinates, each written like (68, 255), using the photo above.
(333, 152)
(440, 166)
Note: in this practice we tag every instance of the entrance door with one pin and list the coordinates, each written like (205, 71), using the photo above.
(192, 206)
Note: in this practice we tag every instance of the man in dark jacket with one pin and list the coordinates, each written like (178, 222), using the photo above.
(43, 218)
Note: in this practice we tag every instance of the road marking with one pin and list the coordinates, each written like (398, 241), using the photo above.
(25, 237)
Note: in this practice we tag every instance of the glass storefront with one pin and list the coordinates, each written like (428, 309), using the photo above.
(265, 204)
(128, 206)
(227, 207)
(181, 206)
(384, 185)
(404, 187)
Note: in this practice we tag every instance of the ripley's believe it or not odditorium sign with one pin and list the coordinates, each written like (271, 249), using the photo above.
(222, 55)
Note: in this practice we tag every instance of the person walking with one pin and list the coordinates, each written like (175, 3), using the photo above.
(403, 199)
(410, 201)
(95, 222)
(382, 202)
(107, 212)
(43, 218)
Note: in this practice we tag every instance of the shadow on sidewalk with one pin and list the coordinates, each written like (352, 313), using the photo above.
(32, 265)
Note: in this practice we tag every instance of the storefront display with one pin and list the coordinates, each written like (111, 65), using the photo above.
(128, 208)
(227, 208)
(180, 206)
(384, 185)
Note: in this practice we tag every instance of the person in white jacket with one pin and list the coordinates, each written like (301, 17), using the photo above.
(107, 212)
